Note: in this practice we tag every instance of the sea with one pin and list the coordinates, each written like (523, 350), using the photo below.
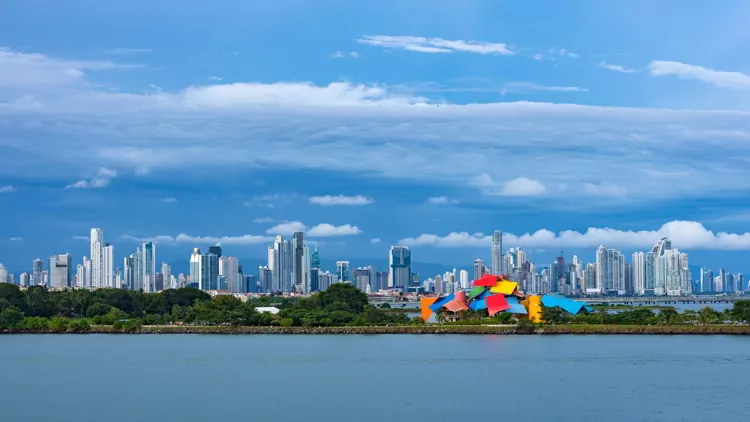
(369, 378)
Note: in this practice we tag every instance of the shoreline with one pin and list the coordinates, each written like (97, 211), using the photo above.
(428, 329)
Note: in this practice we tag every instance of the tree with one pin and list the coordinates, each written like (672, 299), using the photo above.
(553, 315)
(97, 309)
(10, 318)
(741, 311)
(668, 316)
(708, 316)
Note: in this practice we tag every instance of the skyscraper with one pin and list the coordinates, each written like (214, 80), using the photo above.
(639, 273)
(497, 252)
(108, 270)
(60, 271)
(478, 269)
(298, 272)
(128, 270)
(399, 267)
(342, 271)
(463, 278)
(229, 269)
(97, 261)
(315, 258)
(36, 272)
(610, 271)
(265, 279)
(361, 278)
(195, 269)
(145, 268)
(166, 273)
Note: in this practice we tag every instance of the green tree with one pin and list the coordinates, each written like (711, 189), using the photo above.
(554, 315)
(97, 309)
(11, 318)
(286, 322)
(668, 316)
(741, 311)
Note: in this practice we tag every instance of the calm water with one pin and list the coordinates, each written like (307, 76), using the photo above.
(94, 378)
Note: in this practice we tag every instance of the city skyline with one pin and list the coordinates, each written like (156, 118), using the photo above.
(292, 268)
(396, 128)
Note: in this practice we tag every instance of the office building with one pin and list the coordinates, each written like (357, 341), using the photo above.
(97, 261)
(108, 269)
(399, 267)
(36, 272)
(497, 253)
(342, 271)
(60, 271)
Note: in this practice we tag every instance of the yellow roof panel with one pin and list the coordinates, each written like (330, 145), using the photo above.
(505, 287)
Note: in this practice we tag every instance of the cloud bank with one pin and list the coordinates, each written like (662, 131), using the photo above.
(685, 235)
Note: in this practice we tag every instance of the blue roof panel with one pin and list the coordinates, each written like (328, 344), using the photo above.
(515, 307)
(566, 304)
(478, 304)
(442, 301)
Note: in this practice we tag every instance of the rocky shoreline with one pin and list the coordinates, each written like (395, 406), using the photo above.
(426, 329)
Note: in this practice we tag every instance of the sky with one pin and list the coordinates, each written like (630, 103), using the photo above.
(567, 125)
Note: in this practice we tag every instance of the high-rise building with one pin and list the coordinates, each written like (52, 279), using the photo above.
(342, 271)
(497, 253)
(361, 278)
(24, 279)
(144, 266)
(196, 270)
(265, 280)
(298, 271)
(478, 269)
(706, 281)
(638, 275)
(97, 260)
(3, 274)
(399, 267)
(60, 271)
(610, 271)
(229, 269)
(314, 279)
(166, 274)
(36, 272)
(282, 265)
(463, 278)
(315, 259)
(108, 267)
(128, 272)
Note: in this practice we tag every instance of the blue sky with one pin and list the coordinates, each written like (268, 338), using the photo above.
(426, 123)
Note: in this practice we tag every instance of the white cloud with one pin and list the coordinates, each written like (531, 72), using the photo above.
(441, 200)
(215, 78)
(685, 235)
(7, 189)
(340, 200)
(128, 51)
(263, 220)
(616, 68)
(520, 186)
(703, 74)
(565, 53)
(287, 229)
(168, 200)
(375, 240)
(40, 71)
(321, 230)
(343, 55)
(182, 239)
(352, 128)
(434, 45)
(530, 86)
(268, 200)
(100, 180)
(87, 238)
(537, 56)
(16, 239)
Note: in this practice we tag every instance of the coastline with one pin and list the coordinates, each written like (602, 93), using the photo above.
(427, 329)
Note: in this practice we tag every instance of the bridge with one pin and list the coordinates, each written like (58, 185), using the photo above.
(660, 300)
(621, 300)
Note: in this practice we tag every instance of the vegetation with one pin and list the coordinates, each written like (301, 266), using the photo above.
(341, 305)
(39, 309)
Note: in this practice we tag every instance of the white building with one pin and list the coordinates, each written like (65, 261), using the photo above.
(97, 261)
(108, 267)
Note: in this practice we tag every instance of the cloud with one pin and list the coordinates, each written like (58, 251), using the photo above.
(100, 180)
(215, 78)
(42, 72)
(441, 200)
(128, 51)
(375, 240)
(168, 200)
(616, 68)
(16, 239)
(685, 235)
(520, 186)
(86, 238)
(263, 220)
(537, 56)
(375, 131)
(182, 239)
(7, 189)
(563, 52)
(433, 45)
(287, 229)
(520, 87)
(343, 55)
(340, 200)
(687, 71)
(321, 230)
(268, 200)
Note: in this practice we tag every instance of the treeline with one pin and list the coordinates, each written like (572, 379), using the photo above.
(39, 309)
(739, 313)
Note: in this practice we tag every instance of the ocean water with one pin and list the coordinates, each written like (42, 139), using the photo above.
(362, 378)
